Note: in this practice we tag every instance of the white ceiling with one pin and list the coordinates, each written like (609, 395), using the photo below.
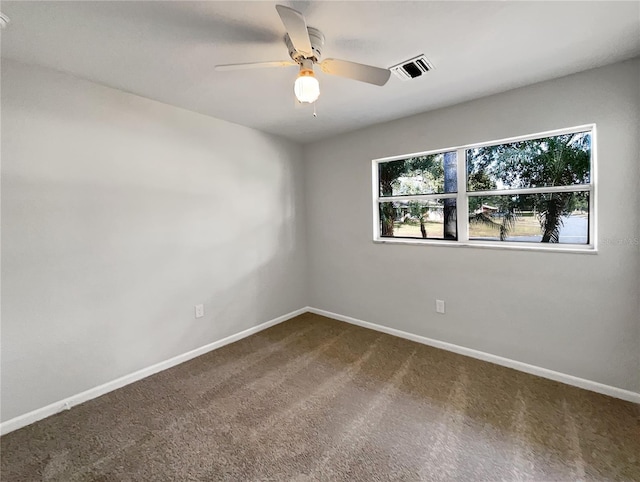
(167, 51)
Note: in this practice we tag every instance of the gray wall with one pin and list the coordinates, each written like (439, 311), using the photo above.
(574, 313)
(119, 214)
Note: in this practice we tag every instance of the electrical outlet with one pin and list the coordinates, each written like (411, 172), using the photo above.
(439, 306)
(199, 311)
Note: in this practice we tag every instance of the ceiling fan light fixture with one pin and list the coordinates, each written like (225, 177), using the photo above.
(306, 87)
(305, 45)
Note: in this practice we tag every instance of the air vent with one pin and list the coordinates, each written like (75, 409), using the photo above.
(412, 68)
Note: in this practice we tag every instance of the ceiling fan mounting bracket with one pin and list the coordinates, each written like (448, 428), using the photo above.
(317, 41)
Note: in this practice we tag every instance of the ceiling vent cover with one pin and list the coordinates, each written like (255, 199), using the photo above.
(412, 68)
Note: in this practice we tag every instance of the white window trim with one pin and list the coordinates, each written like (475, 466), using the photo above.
(462, 205)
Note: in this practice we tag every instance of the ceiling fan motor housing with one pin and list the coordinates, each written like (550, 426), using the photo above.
(317, 41)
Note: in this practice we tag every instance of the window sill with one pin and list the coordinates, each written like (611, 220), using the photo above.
(555, 248)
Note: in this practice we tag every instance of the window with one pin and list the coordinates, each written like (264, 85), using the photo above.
(418, 197)
(529, 191)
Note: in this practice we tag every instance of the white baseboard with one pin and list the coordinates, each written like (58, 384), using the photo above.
(67, 403)
(498, 360)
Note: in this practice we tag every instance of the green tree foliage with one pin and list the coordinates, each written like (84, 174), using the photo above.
(416, 175)
(553, 161)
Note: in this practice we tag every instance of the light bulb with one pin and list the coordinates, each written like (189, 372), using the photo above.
(306, 87)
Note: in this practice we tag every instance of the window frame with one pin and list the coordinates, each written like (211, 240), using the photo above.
(462, 198)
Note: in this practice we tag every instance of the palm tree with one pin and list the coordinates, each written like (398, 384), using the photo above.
(509, 219)
(567, 159)
(554, 161)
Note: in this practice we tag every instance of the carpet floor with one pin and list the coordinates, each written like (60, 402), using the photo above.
(317, 399)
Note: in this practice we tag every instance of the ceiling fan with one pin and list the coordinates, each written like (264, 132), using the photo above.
(305, 49)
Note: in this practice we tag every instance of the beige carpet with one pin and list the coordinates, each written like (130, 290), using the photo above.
(317, 399)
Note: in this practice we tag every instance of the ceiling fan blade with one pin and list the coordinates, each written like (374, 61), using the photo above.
(296, 27)
(353, 70)
(255, 65)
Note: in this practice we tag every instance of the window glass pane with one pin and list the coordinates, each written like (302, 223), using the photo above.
(551, 161)
(431, 219)
(432, 174)
(561, 217)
